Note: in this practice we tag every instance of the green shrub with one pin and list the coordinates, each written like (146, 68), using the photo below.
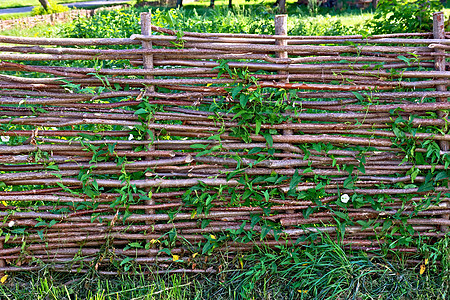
(320, 25)
(105, 24)
(53, 8)
(257, 20)
(397, 16)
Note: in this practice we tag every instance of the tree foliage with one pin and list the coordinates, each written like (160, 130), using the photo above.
(48, 7)
(397, 16)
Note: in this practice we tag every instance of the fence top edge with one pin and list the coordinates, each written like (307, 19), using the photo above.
(284, 37)
(134, 38)
(433, 42)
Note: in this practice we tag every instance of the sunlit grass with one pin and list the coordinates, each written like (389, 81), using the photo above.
(41, 30)
(14, 16)
(24, 3)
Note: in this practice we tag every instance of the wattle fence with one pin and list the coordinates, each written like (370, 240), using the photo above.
(167, 147)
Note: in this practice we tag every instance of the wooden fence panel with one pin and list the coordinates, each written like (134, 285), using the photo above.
(244, 142)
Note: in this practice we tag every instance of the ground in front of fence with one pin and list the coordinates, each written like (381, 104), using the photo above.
(324, 271)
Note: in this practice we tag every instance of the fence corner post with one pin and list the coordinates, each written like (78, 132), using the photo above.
(439, 65)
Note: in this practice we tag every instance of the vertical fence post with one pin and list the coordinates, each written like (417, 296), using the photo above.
(146, 29)
(439, 65)
(281, 29)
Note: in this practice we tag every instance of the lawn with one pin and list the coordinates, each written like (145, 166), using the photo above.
(23, 3)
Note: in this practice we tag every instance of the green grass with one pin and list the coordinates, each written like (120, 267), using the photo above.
(14, 16)
(24, 3)
(321, 271)
(58, 286)
(52, 31)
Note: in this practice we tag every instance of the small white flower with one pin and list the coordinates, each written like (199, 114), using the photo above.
(5, 138)
(11, 223)
(130, 137)
(345, 198)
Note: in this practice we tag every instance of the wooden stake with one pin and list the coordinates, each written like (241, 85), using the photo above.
(146, 28)
(281, 29)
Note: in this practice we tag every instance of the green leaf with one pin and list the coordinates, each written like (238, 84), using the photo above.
(41, 223)
(363, 224)
(427, 186)
(361, 168)
(266, 196)
(308, 212)
(264, 232)
(358, 96)
(53, 167)
(126, 260)
(238, 114)
(308, 170)
(296, 179)
(135, 245)
(406, 60)
(269, 139)
(441, 175)
(319, 186)
(208, 246)
(254, 150)
(205, 223)
(95, 184)
(236, 91)
(90, 137)
(203, 153)
(111, 148)
(386, 225)
(126, 215)
(341, 215)
(257, 126)
(348, 183)
(419, 158)
(41, 234)
(199, 146)
(243, 99)
(165, 250)
(141, 111)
